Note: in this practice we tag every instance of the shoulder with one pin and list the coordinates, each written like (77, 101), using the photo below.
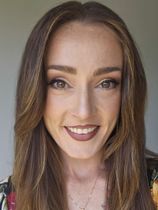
(152, 173)
(6, 194)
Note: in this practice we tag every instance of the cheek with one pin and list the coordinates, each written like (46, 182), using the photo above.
(110, 104)
(53, 111)
(54, 105)
(110, 113)
(114, 105)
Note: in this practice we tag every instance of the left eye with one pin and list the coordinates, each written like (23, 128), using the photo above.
(109, 84)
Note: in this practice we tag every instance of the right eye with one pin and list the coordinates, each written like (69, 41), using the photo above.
(58, 84)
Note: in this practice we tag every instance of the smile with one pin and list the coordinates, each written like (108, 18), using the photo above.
(82, 134)
(82, 131)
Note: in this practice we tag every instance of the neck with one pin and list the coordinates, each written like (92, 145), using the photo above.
(82, 169)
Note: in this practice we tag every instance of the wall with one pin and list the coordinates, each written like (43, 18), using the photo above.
(18, 17)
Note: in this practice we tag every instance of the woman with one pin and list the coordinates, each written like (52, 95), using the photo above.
(79, 130)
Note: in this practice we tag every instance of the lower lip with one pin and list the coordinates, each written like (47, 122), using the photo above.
(82, 137)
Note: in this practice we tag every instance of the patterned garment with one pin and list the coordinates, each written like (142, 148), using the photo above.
(7, 194)
(154, 187)
(152, 172)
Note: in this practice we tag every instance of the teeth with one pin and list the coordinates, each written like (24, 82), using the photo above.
(81, 131)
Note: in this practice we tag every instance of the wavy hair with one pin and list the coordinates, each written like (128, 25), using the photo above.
(37, 173)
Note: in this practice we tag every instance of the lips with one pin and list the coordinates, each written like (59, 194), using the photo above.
(82, 137)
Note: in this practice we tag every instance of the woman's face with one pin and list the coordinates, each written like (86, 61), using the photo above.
(83, 65)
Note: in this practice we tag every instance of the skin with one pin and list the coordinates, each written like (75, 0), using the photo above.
(82, 98)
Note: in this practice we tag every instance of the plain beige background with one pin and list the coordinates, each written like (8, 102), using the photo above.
(17, 19)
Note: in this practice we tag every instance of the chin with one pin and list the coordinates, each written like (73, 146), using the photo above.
(80, 156)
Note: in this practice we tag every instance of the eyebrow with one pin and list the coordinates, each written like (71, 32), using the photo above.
(72, 70)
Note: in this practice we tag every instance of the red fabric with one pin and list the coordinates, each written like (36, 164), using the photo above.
(11, 201)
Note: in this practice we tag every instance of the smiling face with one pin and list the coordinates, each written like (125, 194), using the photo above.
(83, 65)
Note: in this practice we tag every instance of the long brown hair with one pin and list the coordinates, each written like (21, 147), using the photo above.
(37, 174)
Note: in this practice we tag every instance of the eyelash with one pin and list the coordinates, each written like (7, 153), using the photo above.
(114, 83)
(53, 81)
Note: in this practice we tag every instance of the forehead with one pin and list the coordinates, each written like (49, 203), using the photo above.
(77, 31)
(77, 27)
(89, 43)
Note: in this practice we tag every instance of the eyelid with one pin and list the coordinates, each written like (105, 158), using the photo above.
(116, 82)
(110, 79)
(53, 80)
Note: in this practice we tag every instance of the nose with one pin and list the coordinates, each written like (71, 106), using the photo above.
(84, 105)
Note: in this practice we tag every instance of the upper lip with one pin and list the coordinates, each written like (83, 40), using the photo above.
(83, 126)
